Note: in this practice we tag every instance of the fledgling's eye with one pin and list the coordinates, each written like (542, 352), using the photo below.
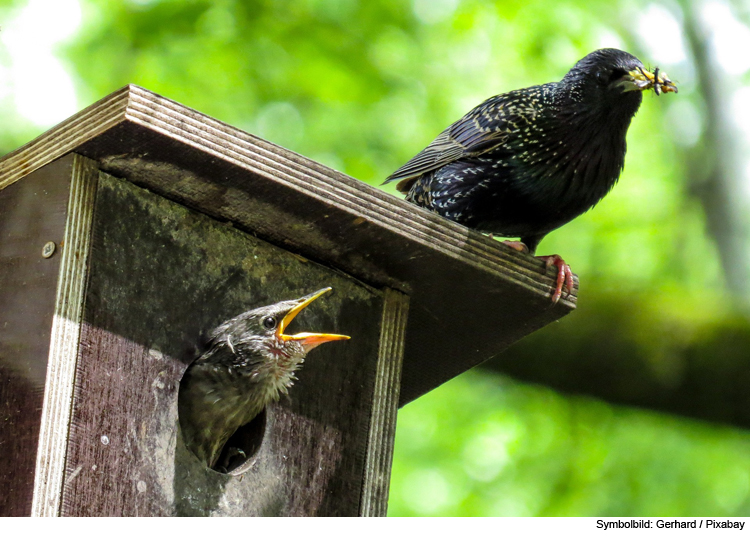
(269, 322)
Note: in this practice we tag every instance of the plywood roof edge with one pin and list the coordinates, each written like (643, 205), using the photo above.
(65, 136)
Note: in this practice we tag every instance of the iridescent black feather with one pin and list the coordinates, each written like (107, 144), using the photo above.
(524, 163)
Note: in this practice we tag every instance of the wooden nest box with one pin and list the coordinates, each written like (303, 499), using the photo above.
(133, 228)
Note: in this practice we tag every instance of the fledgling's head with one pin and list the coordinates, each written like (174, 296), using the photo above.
(261, 343)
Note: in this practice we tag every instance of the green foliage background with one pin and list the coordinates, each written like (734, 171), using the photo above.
(362, 86)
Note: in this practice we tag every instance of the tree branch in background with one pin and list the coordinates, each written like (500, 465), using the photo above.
(715, 166)
(690, 360)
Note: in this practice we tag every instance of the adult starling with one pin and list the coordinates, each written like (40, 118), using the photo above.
(249, 362)
(524, 163)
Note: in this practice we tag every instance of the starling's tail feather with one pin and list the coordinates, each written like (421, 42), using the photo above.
(404, 186)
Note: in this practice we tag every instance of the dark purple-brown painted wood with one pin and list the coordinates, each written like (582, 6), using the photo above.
(32, 212)
(161, 276)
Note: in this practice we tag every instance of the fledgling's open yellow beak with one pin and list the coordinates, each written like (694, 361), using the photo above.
(308, 340)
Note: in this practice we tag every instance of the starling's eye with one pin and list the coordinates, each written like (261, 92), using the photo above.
(269, 322)
(616, 74)
(605, 77)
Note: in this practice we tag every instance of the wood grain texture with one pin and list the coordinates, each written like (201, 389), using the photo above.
(297, 204)
(64, 138)
(32, 212)
(161, 277)
(64, 338)
(385, 406)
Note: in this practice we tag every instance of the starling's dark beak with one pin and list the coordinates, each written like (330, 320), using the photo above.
(640, 79)
(307, 340)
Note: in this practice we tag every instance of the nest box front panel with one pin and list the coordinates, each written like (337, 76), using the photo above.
(161, 276)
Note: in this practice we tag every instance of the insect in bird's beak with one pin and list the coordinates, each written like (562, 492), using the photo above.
(307, 340)
(641, 79)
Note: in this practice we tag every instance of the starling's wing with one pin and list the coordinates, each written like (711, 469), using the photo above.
(482, 129)
(443, 150)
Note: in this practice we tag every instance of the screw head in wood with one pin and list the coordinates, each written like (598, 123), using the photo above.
(48, 250)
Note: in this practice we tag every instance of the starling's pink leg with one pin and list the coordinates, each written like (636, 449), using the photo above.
(564, 274)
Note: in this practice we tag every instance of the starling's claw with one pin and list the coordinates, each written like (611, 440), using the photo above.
(564, 274)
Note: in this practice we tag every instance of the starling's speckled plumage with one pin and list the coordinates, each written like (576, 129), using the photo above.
(249, 362)
(524, 163)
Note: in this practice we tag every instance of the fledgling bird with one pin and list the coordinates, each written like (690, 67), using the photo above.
(249, 362)
(524, 163)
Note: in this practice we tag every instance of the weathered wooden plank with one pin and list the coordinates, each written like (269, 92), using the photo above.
(161, 276)
(32, 213)
(385, 406)
(65, 137)
(64, 337)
